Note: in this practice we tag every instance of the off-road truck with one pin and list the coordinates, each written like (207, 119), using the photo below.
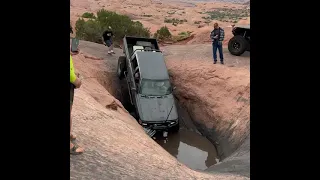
(150, 91)
(240, 42)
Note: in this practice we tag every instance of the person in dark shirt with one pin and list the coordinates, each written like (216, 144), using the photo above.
(217, 37)
(71, 31)
(107, 40)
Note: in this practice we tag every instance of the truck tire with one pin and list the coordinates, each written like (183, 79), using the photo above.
(237, 45)
(121, 67)
(175, 128)
(134, 115)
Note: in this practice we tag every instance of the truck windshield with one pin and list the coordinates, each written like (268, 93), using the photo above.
(155, 87)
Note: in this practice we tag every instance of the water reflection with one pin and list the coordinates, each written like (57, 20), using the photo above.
(189, 148)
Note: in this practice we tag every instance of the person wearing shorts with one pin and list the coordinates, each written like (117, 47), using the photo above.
(107, 40)
(75, 82)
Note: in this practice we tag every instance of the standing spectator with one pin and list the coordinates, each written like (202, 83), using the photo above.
(107, 40)
(75, 82)
(217, 37)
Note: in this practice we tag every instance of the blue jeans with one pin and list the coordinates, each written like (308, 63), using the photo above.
(215, 46)
(108, 42)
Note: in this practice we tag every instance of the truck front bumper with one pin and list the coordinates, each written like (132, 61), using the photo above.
(159, 125)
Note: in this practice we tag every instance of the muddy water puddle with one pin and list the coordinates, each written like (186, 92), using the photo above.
(190, 148)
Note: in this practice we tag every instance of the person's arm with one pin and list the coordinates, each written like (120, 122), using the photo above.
(212, 35)
(216, 36)
(221, 35)
(221, 38)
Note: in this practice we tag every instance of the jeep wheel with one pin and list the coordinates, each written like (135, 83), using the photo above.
(237, 45)
(175, 128)
(121, 67)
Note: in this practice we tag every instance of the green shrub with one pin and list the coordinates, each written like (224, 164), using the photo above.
(175, 21)
(88, 30)
(88, 15)
(225, 13)
(207, 21)
(121, 25)
(182, 36)
(205, 17)
(168, 20)
(163, 33)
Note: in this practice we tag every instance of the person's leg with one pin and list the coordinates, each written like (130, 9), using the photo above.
(214, 47)
(220, 53)
(111, 46)
(108, 43)
(74, 149)
(72, 137)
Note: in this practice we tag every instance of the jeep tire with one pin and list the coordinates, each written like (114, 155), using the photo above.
(237, 45)
(121, 67)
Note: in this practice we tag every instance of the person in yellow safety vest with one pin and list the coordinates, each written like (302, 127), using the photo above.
(75, 82)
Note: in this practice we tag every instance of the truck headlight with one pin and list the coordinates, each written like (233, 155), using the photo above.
(173, 121)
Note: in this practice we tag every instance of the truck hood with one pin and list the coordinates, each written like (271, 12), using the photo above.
(156, 108)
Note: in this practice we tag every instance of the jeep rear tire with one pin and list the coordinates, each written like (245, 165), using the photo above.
(237, 45)
(121, 67)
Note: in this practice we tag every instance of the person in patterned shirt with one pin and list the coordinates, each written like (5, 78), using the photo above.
(217, 37)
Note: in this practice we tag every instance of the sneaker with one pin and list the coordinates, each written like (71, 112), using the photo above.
(112, 52)
(222, 62)
(109, 52)
(215, 62)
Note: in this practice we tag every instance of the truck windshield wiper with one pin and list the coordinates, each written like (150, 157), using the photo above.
(169, 112)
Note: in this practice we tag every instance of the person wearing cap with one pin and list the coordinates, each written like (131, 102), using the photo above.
(107, 40)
